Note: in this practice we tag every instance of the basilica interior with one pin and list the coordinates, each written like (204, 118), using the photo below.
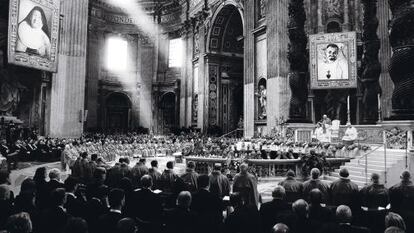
(279, 86)
(164, 65)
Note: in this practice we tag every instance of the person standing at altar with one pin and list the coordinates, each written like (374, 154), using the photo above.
(322, 134)
(246, 184)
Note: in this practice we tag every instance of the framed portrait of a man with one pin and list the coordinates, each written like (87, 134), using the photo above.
(333, 60)
(33, 33)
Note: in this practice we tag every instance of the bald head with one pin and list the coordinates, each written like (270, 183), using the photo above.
(280, 228)
(279, 193)
(146, 181)
(243, 168)
(300, 208)
(184, 199)
(343, 214)
(315, 173)
(315, 196)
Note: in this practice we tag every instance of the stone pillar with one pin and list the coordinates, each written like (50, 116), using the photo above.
(68, 84)
(249, 61)
(298, 62)
(184, 79)
(346, 25)
(95, 59)
(387, 86)
(320, 15)
(370, 64)
(402, 66)
(278, 92)
(202, 120)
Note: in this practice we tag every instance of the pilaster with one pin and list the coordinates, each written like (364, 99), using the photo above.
(68, 84)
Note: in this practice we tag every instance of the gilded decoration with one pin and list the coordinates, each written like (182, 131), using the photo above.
(396, 138)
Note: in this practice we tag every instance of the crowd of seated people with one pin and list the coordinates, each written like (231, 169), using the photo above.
(98, 198)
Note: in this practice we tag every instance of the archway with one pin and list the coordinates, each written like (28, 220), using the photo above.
(118, 108)
(225, 69)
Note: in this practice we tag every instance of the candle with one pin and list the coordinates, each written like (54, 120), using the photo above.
(347, 102)
(379, 102)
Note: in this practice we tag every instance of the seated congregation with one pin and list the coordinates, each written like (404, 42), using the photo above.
(120, 199)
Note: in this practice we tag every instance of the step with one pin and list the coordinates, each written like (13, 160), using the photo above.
(362, 169)
(351, 176)
(330, 179)
(372, 166)
(375, 163)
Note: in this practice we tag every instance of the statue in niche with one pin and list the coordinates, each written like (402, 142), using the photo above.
(10, 92)
(333, 8)
(262, 8)
(262, 95)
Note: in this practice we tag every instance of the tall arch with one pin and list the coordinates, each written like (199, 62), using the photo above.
(224, 66)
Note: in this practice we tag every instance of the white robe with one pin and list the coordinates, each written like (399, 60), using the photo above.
(32, 38)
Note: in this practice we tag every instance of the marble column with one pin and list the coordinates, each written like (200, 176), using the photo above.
(249, 61)
(387, 86)
(68, 84)
(202, 120)
(94, 61)
(278, 91)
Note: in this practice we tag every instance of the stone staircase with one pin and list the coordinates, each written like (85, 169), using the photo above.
(392, 168)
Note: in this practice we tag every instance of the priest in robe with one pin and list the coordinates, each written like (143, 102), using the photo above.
(246, 184)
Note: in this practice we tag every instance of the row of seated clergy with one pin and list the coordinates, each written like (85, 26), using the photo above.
(325, 132)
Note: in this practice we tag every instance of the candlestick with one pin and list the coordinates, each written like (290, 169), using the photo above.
(347, 102)
(379, 102)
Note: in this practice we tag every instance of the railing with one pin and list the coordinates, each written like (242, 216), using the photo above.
(365, 156)
(264, 167)
(237, 133)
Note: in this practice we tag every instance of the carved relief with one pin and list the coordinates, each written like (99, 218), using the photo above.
(212, 94)
(333, 8)
(396, 138)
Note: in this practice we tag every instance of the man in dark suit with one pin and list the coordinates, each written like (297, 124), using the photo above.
(275, 211)
(138, 171)
(54, 182)
(55, 217)
(146, 206)
(293, 188)
(74, 205)
(155, 174)
(108, 222)
(402, 199)
(318, 214)
(300, 222)
(244, 219)
(181, 218)
(190, 177)
(209, 208)
(343, 224)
